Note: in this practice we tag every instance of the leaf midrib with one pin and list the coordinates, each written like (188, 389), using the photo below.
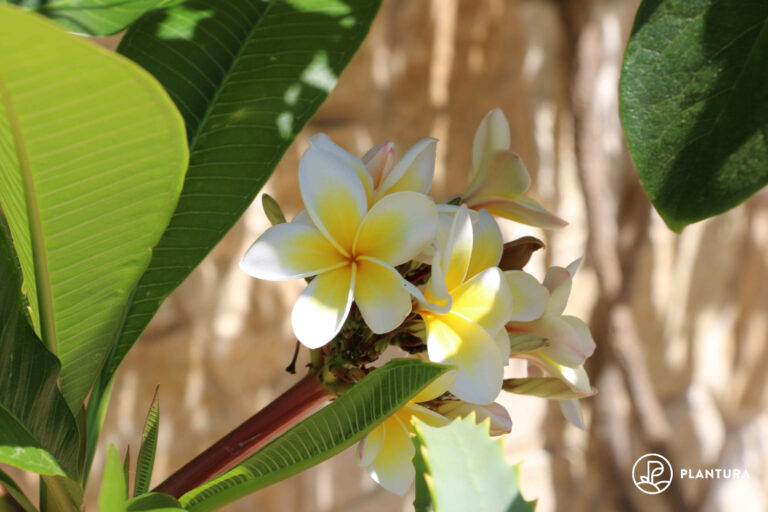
(39, 255)
(215, 98)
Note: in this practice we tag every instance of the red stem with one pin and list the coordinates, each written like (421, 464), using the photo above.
(284, 412)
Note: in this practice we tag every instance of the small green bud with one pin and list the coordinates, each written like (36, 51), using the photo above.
(272, 210)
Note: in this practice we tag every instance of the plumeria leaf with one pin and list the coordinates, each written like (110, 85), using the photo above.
(91, 166)
(246, 86)
(694, 104)
(38, 432)
(322, 435)
(517, 253)
(153, 502)
(114, 489)
(15, 493)
(146, 458)
(459, 468)
(94, 17)
(544, 387)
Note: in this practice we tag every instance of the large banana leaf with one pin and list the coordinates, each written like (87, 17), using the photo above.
(37, 430)
(93, 17)
(92, 159)
(322, 435)
(246, 75)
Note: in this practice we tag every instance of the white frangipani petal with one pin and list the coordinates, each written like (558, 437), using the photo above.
(457, 252)
(334, 196)
(392, 468)
(381, 295)
(529, 297)
(571, 409)
(436, 388)
(485, 300)
(414, 171)
(379, 161)
(290, 251)
(456, 341)
(487, 244)
(323, 142)
(323, 306)
(370, 446)
(492, 134)
(397, 228)
(558, 281)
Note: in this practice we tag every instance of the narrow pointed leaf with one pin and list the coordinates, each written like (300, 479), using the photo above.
(153, 502)
(9, 488)
(92, 159)
(146, 458)
(246, 75)
(694, 104)
(127, 465)
(38, 432)
(113, 494)
(461, 468)
(322, 435)
(93, 17)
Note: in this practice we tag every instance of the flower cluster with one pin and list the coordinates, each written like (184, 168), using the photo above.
(387, 265)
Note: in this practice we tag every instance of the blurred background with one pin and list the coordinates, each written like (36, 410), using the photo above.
(680, 321)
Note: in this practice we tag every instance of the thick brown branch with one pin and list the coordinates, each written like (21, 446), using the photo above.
(284, 412)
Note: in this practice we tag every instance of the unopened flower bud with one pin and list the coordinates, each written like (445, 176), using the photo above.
(272, 210)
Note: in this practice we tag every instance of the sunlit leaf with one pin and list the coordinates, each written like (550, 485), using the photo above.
(92, 159)
(246, 82)
(93, 17)
(113, 494)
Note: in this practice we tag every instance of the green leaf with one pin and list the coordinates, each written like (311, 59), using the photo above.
(462, 468)
(113, 494)
(322, 435)
(127, 466)
(92, 159)
(522, 343)
(15, 492)
(60, 494)
(146, 459)
(37, 430)
(246, 75)
(544, 387)
(694, 104)
(93, 17)
(154, 502)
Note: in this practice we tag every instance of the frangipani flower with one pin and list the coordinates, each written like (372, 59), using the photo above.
(499, 178)
(350, 249)
(387, 450)
(379, 172)
(538, 311)
(464, 312)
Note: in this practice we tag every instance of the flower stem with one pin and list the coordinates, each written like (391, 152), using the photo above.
(284, 412)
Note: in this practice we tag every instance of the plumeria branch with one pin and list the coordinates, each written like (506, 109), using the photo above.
(288, 409)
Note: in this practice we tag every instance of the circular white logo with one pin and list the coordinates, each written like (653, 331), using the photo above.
(652, 473)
